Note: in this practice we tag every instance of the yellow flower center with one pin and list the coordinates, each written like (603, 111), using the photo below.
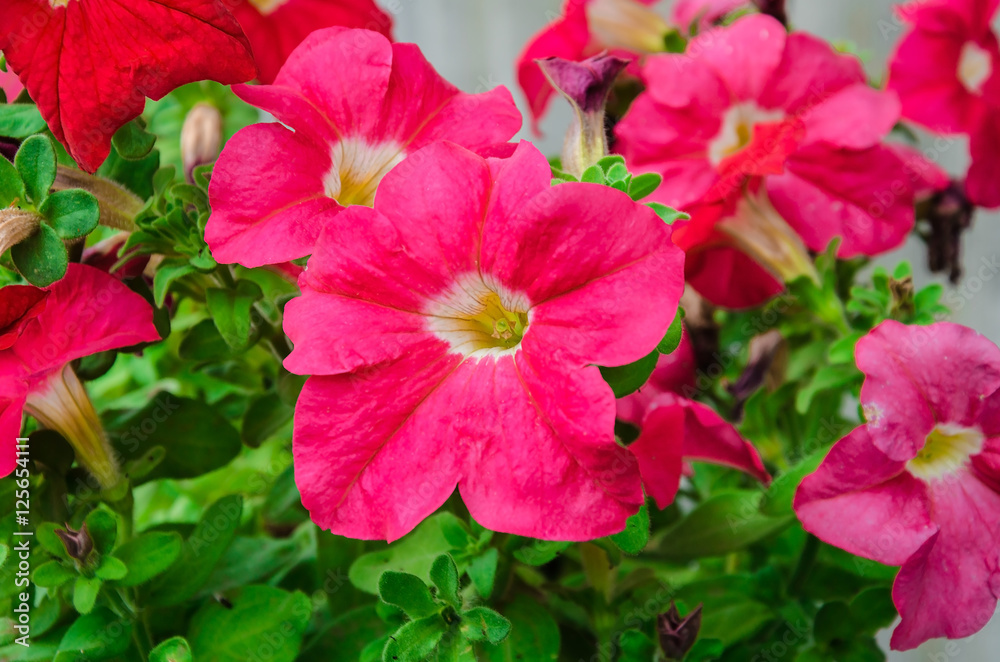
(357, 170)
(479, 319)
(627, 24)
(737, 130)
(974, 67)
(947, 449)
(265, 7)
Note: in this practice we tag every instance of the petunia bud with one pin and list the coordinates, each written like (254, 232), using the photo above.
(16, 226)
(765, 367)
(78, 543)
(949, 214)
(62, 404)
(586, 86)
(628, 25)
(201, 137)
(118, 205)
(677, 635)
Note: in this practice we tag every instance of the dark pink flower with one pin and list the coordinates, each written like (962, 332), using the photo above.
(41, 332)
(675, 430)
(918, 485)
(90, 65)
(276, 27)
(776, 140)
(353, 105)
(11, 85)
(453, 334)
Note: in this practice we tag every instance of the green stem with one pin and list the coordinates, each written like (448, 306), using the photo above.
(805, 565)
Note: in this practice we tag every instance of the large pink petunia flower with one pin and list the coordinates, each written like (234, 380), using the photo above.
(453, 334)
(675, 430)
(774, 143)
(918, 485)
(276, 27)
(946, 70)
(90, 64)
(41, 332)
(354, 106)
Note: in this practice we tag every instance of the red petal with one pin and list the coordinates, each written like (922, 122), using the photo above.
(91, 64)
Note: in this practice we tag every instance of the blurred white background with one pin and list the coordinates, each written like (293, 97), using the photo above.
(474, 44)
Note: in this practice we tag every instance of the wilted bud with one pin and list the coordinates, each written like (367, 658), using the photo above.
(765, 367)
(118, 205)
(78, 543)
(201, 137)
(16, 225)
(677, 635)
(586, 86)
(949, 214)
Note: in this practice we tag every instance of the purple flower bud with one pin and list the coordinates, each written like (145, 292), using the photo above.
(78, 543)
(677, 635)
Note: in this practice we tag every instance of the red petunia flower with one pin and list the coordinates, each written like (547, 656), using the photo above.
(356, 105)
(41, 332)
(918, 485)
(90, 64)
(276, 27)
(675, 430)
(454, 331)
(773, 143)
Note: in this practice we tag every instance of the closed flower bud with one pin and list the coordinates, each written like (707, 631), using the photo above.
(78, 543)
(201, 137)
(16, 226)
(677, 635)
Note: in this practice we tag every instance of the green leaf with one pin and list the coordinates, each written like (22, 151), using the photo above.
(827, 377)
(705, 650)
(593, 175)
(85, 592)
(197, 436)
(635, 647)
(777, 501)
(52, 574)
(11, 186)
(444, 576)
(49, 541)
(672, 340)
(205, 343)
(484, 624)
(482, 571)
(610, 161)
(726, 522)
(201, 551)
(833, 621)
(20, 120)
(408, 592)
(99, 635)
(643, 185)
(73, 213)
(873, 610)
(168, 272)
(532, 629)
(266, 415)
(172, 650)
(231, 310)
(636, 534)
(540, 552)
(668, 214)
(260, 618)
(41, 258)
(103, 529)
(414, 641)
(111, 569)
(617, 172)
(132, 141)
(36, 163)
(628, 379)
(414, 554)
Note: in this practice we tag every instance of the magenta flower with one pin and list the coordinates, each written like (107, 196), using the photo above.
(674, 430)
(354, 106)
(41, 332)
(781, 133)
(918, 485)
(947, 73)
(454, 331)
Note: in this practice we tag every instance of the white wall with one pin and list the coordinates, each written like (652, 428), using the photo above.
(474, 44)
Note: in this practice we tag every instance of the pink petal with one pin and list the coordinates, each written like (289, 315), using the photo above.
(269, 203)
(857, 117)
(729, 277)
(918, 376)
(370, 471)
(926, 176)
(983, 181)
(809, 72)
(949, 588)
(674, 373)
(659, 452)
(756, 41)
(703, 12)
(863, 502)
(547, 465)
(708, 438)
(11, 416)
(863, 196)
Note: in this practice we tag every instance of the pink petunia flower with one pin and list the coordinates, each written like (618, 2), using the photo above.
(276, 27)
(946, 70)
(453, 334)
(90, 65)
(675, 430)
(11, 85)
(41, 332)
(918, 485)
(354, 106)
(773, 142)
